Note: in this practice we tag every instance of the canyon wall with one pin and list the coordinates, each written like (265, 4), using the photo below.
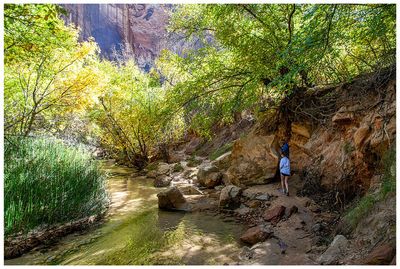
(128, 30)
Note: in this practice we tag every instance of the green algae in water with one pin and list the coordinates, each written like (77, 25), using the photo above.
(138, 233)
(145, 239)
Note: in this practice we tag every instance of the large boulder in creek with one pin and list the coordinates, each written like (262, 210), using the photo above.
(253, 160)
(209, 176)
(172, 199)
(335, 251)
(223, 162)
(159, 170)
(256, 234)
(230, 197)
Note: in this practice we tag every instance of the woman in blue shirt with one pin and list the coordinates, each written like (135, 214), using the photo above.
(284, 168)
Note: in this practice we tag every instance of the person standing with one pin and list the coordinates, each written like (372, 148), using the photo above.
(284, 168)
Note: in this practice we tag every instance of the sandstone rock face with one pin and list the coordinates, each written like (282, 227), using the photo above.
(345, 115)
(254, 160)
(301, 129)
(230, 197)
(360, 135)
(357, 141)
(335, 251)
(139, 29)
(256, 234)
(209, 176)
(172, 199)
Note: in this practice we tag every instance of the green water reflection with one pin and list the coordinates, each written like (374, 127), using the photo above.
(136, 232)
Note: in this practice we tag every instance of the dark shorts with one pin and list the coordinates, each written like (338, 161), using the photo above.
(285, 175)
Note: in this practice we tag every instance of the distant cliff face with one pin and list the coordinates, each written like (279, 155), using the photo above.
(137, 29)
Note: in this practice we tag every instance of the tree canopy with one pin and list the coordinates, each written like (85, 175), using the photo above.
(264, 51)
(253, 57)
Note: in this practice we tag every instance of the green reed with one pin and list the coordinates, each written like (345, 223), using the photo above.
(48, 182)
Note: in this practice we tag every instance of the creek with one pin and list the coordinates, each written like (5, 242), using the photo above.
(136, 232)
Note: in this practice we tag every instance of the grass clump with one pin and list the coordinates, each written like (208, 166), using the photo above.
(388, 186)
(48, 182)
(178, 168)
(220, 151)
(193, 162)
(152, 166)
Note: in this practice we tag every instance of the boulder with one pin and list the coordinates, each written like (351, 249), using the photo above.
(242, 211)
(219, 187)
(172, 199)
(230, 197)
(163, 169)
(254, 203)
(249, 194)
(275, 214)
(335, 251)
(190, 190)
(160, 169)
(290, 211)
(261, 253)
(253, 160)
(209, 176)
(262, 197)
(223, 161)
(256, 234)
(162, 181)
(381, 255)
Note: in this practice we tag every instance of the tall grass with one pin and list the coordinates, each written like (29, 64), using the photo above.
(48, 182)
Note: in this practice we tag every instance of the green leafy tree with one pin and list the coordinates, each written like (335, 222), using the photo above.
(130, 113)
(262, 53)
(47, 71)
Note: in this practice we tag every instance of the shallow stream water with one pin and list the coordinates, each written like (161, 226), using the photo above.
(135, 231)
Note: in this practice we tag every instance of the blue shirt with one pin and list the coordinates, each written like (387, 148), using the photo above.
(284, 166)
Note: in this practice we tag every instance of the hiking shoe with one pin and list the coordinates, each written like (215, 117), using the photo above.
(287, 193)
(282, 191)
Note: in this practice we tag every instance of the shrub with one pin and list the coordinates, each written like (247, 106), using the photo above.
(48, 182)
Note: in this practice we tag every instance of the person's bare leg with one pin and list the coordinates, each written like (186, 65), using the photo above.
(282, 183)
(286, 184)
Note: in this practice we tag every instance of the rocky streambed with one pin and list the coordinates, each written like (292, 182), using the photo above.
(135, 231)
(184, 213)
